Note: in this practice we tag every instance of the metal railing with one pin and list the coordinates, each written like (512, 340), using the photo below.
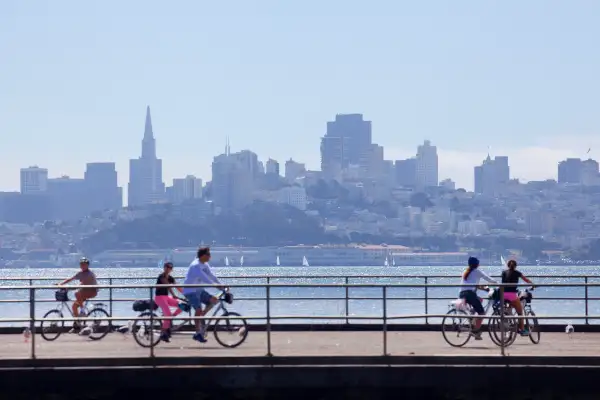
(347, 282)
(385, 318)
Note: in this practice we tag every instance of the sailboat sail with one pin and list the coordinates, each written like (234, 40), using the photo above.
(502, 260)
(394, 262)
(305, 262)
(241, 261)
(277, 261)
(386, 263)
(226, 261)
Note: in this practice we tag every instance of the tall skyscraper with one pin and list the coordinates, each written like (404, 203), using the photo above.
(372, 162)
(34, 180)
(145, 173)
(427, 165)
(66, 195)
(232, 182)
(102, 186)
(492, 176)
(272, 167)
(406, 172)
(569, 170)
(346, 140)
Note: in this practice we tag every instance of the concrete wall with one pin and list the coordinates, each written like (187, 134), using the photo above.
(323, 383)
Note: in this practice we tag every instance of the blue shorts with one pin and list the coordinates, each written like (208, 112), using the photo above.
(196, 299)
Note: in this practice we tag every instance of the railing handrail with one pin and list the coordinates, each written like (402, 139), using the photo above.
(340, 276)
(292, 285)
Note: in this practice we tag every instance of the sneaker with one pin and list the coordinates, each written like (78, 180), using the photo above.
(85, 331)
(165, 337)
(524, 332)
(75, 329)
(476, 335)
(199, 337)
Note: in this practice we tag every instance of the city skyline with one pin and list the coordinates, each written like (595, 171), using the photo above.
(149, 150)
(77, 84)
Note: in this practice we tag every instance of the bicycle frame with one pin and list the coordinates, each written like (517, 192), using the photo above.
(220, 306)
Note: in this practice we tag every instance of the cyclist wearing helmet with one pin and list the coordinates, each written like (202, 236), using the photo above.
(470, 279)
(164, 301)
(511, 275)
(85, 277)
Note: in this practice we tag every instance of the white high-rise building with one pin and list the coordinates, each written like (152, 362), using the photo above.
(294, 196)
(426, 165)
(187, 188)
(34, 180)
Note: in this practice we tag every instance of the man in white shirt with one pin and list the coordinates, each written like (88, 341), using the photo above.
(200, 273)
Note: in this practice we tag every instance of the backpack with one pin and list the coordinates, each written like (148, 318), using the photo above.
(144, 305)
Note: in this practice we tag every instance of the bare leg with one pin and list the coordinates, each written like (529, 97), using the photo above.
(519, 308)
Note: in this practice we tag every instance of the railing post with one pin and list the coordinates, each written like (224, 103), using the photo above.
(347, 280)
(151, 334)
(110, 297)
(426, 302)
(385, 352)
(587, 322)
(269, 353)
(32, 320)
(502, 321)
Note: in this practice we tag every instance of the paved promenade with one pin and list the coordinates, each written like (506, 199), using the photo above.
(300, 344)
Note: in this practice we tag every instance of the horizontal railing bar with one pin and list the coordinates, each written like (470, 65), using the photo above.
(300, 277)
(280, 317)
(238, 299)
(295, 285)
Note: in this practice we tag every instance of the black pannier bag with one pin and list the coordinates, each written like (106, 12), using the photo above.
(144, 305)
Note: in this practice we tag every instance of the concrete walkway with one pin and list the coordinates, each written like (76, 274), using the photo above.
(299, 344)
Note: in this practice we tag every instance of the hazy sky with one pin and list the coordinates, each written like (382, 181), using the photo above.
(76, 76)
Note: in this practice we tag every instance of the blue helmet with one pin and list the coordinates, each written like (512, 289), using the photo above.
(473, 262)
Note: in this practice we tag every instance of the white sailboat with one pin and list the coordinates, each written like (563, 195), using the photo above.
(386, 263)
(277, 261)
(393, 262)
(241, 261)
(502, 260)
(305, 262)
(226, 261)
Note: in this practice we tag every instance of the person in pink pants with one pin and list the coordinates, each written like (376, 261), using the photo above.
(164, 301)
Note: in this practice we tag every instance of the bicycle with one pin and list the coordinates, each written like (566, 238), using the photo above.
(526, 297)
(461, 314)
(146, 331)
(92, 323)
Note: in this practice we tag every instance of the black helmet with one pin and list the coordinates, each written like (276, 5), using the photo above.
(84, 260)
(168, 264)
(473, 262)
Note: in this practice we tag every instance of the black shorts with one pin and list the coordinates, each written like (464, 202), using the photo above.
(473, 300)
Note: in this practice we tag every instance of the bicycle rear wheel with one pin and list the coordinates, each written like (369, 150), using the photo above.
(534, 328)
(230, 332)
(456, 325)
(100, 324)
(51, 330)
(146, 332)
(510, 330)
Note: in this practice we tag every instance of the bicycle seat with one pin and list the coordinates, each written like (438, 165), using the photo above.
(99, 305)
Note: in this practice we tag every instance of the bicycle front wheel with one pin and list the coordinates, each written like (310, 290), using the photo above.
(534, 328)
(231, 332)
(51, 330)
(99, 323)
(456, 328)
